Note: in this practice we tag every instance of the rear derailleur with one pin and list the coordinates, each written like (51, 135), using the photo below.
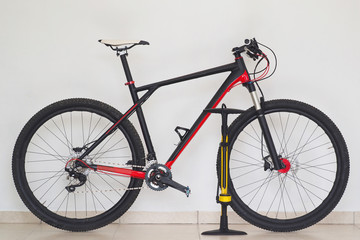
(75, 175)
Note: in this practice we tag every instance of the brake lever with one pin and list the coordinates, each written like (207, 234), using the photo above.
(253, 56)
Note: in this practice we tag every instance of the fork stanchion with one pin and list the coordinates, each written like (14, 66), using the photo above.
(224, 198)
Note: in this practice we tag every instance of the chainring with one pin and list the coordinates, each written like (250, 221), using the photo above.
(152, 176)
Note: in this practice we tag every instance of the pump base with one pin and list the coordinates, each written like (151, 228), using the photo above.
(224, 232)
(224, 229)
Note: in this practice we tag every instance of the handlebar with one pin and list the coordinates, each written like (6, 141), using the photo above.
(251, 48)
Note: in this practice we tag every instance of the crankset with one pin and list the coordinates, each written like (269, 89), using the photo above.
(158, 177)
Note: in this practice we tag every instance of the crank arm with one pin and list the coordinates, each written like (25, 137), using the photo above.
(177, 186)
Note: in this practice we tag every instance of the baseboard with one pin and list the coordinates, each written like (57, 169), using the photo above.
(193, 217)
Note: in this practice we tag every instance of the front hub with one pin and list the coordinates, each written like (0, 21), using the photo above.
(287, 165)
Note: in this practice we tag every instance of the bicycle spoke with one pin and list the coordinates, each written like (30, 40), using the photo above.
(99, 154)
(292, 131)
(306, 143)
(50, 187)
(55, 175)
(67, 203)
(58, 156)
(82, 128)
(302, 135)
(252, 183)
(108, 140)
(56, 197)
(317, 167)
(249, 172)
(100, 132)
(282, 182)
(91, 184)
(264, 194)
(249, 144)
(109, 184)
(65, 134)
(313, 148)
(259, 188)
(43, 179)
(317, 158)
(57, 137)
(92, 194)
(291, 203)
(255, 189)
(247, 156)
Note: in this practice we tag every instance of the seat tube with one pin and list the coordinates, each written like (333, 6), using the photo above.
(264, 126)
(139, 112)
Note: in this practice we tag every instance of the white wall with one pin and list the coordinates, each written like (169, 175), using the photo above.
(49, 51)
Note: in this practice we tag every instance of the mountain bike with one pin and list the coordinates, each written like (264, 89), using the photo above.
(79, 164)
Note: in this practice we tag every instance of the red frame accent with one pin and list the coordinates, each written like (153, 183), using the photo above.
(122, 118)
(128, 83)
(122, 171)
(243, 79)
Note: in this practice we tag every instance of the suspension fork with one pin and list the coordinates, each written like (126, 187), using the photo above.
(264, 127)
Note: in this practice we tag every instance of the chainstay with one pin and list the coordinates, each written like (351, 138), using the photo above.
(111, 164)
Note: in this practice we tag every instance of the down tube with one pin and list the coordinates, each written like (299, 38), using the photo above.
(231, 79)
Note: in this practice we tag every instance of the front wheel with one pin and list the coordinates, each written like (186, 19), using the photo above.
(86, 199)
(317, 161)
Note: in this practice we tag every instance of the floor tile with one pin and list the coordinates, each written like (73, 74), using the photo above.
(17, 231)
(47, 232)
(158, 232)
(69, 235)
(252, 232)
(326, 232)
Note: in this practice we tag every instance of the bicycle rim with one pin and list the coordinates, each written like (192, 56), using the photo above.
(303, 192)
(54, 139)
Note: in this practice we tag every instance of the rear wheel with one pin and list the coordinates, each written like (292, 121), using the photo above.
(59, 133)
(316, 173)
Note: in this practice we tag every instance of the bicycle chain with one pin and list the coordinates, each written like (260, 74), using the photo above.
(109, 164)
(122, 165)
(111, 190)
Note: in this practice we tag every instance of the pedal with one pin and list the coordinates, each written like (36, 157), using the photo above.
(187, 191)
(171, 183)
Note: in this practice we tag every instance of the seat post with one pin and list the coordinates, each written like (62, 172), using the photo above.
(126, 68)
(130, 81)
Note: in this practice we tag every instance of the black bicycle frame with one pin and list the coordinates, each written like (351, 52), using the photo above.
(238, 75)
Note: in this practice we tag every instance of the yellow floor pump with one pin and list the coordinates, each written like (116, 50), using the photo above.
(224, 198)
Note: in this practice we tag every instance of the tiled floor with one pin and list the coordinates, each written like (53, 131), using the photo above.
(173, 232)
